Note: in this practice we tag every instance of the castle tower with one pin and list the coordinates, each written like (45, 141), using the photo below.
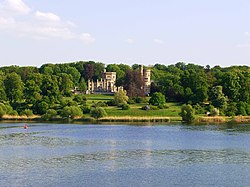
(147, 81)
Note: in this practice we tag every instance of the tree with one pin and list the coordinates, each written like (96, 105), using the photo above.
(134, 83)
(121, 97)
(66, 84)
(187, 113)
(218, 99)
(14, 87)
(83, 86)
(157, 99)
(51, 113)
(71, 112)
(98, 113)
(89, 71)
(2, 87)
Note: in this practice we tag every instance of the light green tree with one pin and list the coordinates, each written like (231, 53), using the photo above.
(121, 97)
(187, 113)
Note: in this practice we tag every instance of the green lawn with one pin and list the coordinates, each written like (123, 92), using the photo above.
(173, 109)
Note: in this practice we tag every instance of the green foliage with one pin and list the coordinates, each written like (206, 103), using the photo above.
(41, 107)
(146, 107)
(40, 89)
(124, 106)
(215, 112)
(121, 97)
(14, 87)
(50, 114)
(157, 99)
(27, 112)
(85, 109)
(98, 113)
(187, 113)
(2, 110)
(71, 112)
(199, 109)
(80, 99)
(218, 99)
(83, 86)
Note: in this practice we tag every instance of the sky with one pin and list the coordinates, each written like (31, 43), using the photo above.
(211, 32)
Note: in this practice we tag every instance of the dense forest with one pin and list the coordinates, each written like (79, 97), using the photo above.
(32, 90)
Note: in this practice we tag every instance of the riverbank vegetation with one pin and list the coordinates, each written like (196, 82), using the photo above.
(49, 92)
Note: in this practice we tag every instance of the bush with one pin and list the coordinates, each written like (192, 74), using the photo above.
(199, 109)
(2, 112)
(71, 112)
(27, 112)
(154, 108)
(85, 109)
(13, 113)
(51, 113)
(163, 106)
(125, 107)
(121, 97)
(131, 101)
(111, 102)
(80, 98)
(99, 104)
(140, 100)
(187, 113)
(157, 99)
(98, 113)
(215, 112)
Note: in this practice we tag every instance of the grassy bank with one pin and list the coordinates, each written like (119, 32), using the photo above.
(135, 114)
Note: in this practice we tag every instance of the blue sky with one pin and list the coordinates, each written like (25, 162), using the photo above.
(214, 32)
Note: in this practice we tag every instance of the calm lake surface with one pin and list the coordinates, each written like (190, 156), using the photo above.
(124, 155)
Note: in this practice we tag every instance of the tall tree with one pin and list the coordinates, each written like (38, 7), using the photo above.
(14, 87)
(134, 83)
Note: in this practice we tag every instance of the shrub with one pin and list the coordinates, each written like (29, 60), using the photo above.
(163, 106)
(199, 109)
(215, 112)
(98, 113)
(111, 102)
(187, 113)
(27, 112)
(80, 98)
(125, 107)
(2, 112)
(71, 112)
(51, 113)
(99, 104)
(154, 108)
(140, 100)
(121, 97)
(85, 109)
(131, 101)
(157, 99)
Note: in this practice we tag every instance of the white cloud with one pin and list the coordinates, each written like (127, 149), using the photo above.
(87, 38)
(130, 41)
(17, 6)
(46, 16)
(17, 18)
(158, 41)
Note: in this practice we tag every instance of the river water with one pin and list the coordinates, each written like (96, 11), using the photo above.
(124, 155)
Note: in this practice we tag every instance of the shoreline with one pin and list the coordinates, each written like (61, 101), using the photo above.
(129, 119)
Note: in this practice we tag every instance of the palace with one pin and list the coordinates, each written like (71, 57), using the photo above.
(105, 85)
(108, 80)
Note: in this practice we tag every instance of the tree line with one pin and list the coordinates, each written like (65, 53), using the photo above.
(35, 90)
